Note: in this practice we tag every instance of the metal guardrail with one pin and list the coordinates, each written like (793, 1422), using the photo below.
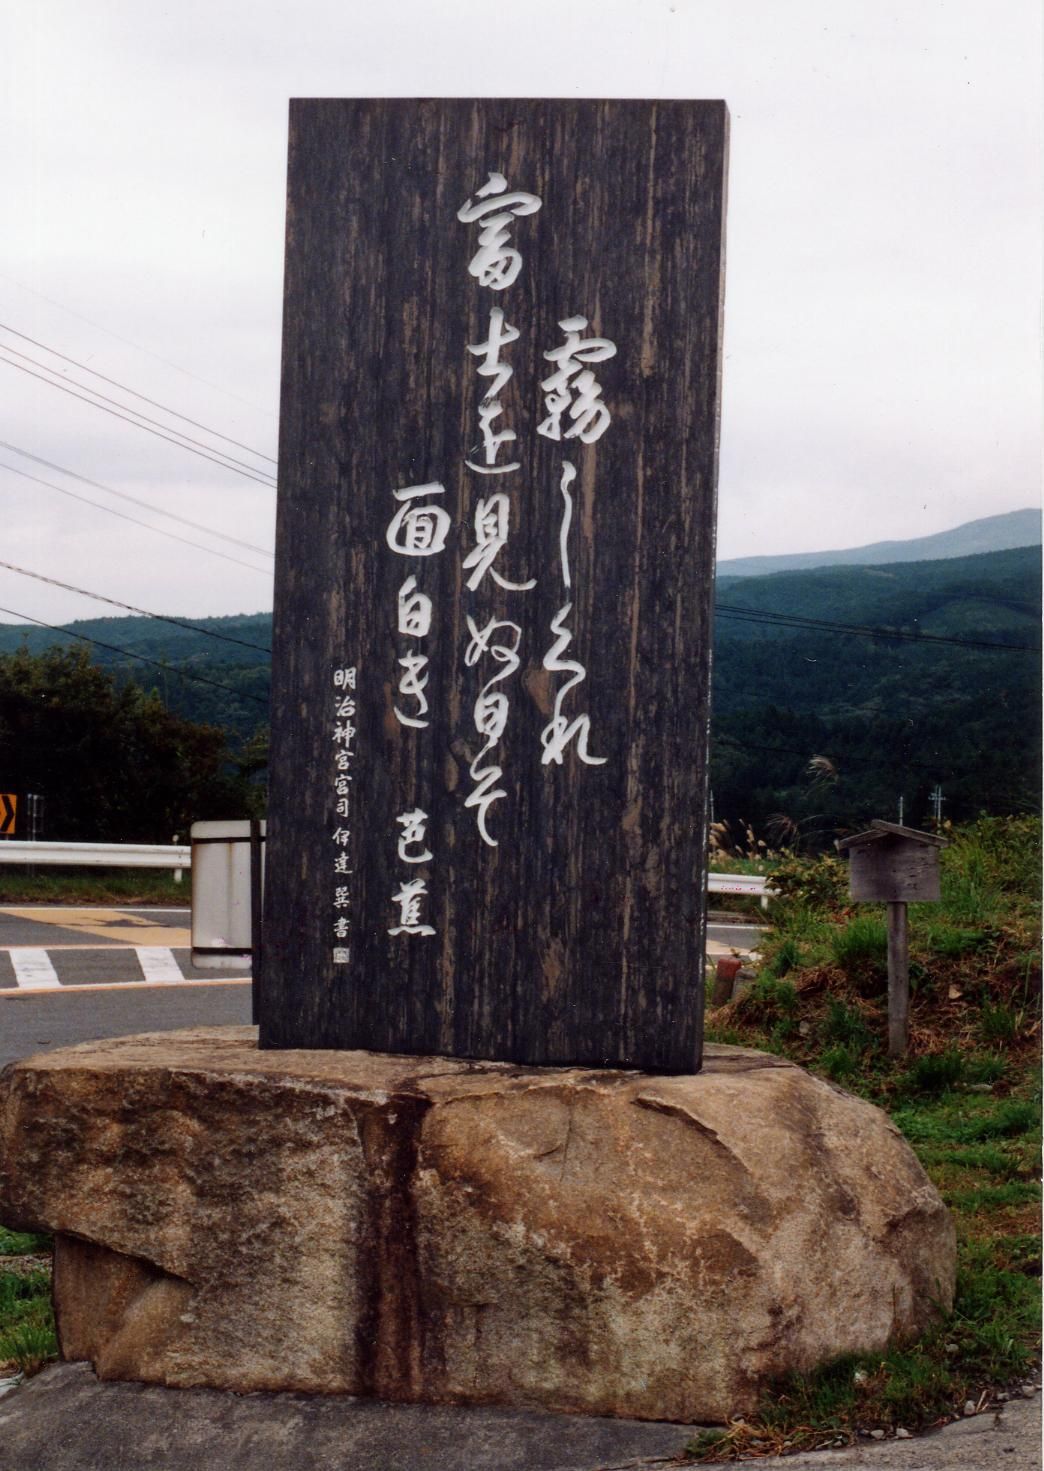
(738, 883)
(98, 855)
(163, 855)
(741, 883)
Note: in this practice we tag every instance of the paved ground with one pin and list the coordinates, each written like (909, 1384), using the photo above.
(47, 947)
(76, 974)
(64, 1420)
(34, 1021)
(44, 947)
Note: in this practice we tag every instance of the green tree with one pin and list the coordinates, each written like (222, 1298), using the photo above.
(111, 762)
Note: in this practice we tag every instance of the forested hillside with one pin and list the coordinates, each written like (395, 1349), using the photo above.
(215, 671)
(111, 763)
(954, 702)
(952, 699)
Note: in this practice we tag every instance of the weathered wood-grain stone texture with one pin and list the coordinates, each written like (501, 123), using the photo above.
(578, 937)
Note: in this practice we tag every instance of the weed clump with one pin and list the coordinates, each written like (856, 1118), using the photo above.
(27, 1335)
(861, 948)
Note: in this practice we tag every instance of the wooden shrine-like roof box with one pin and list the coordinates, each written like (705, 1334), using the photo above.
(893, 863)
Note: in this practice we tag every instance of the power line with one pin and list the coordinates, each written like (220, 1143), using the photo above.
(123, 495)
(732, 740)
(64, 388)
(127, 654)
(794, 620)
(130, 608)
(182, 438)
(136, 345)
(112, 511)
(144, 397)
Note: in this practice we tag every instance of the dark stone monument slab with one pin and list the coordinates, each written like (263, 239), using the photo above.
(494, 580)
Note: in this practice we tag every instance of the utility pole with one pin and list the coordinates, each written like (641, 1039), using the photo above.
(900, 811)
(937, 799)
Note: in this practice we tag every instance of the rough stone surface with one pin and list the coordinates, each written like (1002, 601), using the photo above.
(65, 1420)
(611, 1243)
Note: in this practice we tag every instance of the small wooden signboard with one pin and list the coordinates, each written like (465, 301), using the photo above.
(898, 866)
(494, 580)
(893, 864)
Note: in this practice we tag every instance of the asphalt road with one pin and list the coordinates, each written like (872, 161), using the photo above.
(78, 974)
(38, 1021)
(58, 945)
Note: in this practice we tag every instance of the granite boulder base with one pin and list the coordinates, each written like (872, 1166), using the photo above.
(430, 1229)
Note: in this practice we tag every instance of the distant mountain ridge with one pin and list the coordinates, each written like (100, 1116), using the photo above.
(902, 676)
(988, 534)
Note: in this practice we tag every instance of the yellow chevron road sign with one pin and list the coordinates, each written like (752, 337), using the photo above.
(8, 813)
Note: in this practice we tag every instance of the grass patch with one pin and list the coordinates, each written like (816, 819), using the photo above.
(993, 1197)
(840, 1063)
(862, 946)
(93, 886)
(935, 1072)
(944, 939)
(969, 1120)
(1000, 1023)
(22, 1243)
(846, 1025)
(27, 1336)
(967, 1098)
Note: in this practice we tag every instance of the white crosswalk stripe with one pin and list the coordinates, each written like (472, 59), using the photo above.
(33, 970)
(26, 968)
(158, 963)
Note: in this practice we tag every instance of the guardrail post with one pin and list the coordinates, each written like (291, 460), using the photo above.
(255, 917)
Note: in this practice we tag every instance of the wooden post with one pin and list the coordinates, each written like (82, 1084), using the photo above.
(898, 979)
(494, 576)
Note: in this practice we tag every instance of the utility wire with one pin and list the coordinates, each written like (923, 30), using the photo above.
(112, 511)
(130, 608)
(64, 388)
(122, 495)
(717, 736)
(144, 397)
(127, 654)
(70, 383)
(794, 620)
(128, 343)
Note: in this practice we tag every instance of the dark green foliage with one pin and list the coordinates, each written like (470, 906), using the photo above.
(770, 999)
(18, 1243)
(786, 957)
(27, 1337)
(983, 1069)
(841, 1062)
(847, 1026)
(968, 1123)
(943, 939)
(111, 762)
(999, 1023)
(820, 881)
(895, 717)
(935, 1072)
(239, 709)
(861, 948)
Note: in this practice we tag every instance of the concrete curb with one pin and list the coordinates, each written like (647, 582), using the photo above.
(67, 1420)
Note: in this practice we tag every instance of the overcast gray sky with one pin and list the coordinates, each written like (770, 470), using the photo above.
(882, 340)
